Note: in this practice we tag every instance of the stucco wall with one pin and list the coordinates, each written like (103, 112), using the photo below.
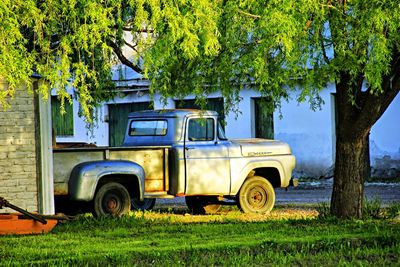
(310, 133)
(18, 167)
(385, 142)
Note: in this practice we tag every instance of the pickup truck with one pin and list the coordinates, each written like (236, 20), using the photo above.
(174, 153)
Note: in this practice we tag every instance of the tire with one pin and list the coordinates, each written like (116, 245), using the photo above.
(111, 199)
(146, 204)
(256, 195)
(202, 204)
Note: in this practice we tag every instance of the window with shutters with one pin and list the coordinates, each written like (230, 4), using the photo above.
(63, 124)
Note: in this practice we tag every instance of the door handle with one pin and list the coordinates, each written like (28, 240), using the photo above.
(189, 148)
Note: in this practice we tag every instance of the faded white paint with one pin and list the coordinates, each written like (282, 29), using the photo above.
(46, 183)
(309, 133)
(385, 134)
(385, 142)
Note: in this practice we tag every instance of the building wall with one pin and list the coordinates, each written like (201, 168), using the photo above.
(311, 134)
(18, 157)
(385, 143)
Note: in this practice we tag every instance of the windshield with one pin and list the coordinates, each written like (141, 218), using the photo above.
(221, 133)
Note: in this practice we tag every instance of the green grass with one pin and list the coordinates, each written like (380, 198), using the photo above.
(229, 239)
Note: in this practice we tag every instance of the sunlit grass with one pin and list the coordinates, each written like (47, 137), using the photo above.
(181, 215)
(170, 237)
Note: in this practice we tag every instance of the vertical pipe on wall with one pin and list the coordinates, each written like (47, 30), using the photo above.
(45, 159)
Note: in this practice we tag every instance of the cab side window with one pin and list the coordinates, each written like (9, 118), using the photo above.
(201, 129)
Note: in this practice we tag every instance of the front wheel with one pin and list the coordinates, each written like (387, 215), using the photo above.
(256, 195)
(202, 204)
(146, 204)
(111, 199)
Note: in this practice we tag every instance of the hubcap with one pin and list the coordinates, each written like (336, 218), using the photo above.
(257, 197)
(111, 203)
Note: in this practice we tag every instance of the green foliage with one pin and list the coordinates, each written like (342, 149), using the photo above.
(76, 43)
(15, 61)
(192, 46)
(277, 45)
(135, 240)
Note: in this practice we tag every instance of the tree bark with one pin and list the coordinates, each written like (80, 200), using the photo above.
(355, 120)
(352, 157)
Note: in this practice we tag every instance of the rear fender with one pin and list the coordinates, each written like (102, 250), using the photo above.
(85, 177)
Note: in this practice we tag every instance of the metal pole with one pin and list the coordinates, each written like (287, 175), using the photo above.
(5, 203)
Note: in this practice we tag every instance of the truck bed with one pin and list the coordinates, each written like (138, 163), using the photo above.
(153, 159)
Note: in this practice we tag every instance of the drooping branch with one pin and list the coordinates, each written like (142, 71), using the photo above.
(118, 52)
(324, 54)
(375, 105)
(133, 47)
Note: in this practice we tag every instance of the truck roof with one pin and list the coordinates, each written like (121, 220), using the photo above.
(175, 113)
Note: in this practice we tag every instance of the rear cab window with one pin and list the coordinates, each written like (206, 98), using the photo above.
(148, 127)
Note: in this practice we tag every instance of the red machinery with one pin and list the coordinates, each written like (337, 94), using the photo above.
(23, 222)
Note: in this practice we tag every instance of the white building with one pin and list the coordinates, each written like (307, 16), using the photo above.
(311, 134)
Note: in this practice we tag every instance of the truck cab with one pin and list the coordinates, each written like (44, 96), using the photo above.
(199, 148)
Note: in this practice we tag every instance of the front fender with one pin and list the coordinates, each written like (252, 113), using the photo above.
(85, 176)
(283, 163)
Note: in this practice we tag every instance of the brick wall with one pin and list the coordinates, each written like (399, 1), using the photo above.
(18, 167)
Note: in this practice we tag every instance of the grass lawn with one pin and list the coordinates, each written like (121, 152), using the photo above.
(287, 236)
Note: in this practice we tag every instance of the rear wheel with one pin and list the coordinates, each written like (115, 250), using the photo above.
(146, 204)
(256, 195)
(111, 199)
(202, 204)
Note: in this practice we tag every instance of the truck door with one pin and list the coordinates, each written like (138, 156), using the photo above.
(206, 159)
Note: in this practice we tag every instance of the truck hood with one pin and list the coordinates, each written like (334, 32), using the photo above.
(257, 147)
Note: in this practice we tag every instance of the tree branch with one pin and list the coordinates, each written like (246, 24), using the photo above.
(249, 14)
(131, 46)
(117, 50)
(321, 37)
(375, 105)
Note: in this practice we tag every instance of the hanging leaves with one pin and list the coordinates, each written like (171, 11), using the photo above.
(196, 46)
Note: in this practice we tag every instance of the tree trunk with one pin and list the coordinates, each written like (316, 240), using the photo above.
(351, 168)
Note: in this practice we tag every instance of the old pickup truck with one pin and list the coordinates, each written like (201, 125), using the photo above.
(174, 153)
